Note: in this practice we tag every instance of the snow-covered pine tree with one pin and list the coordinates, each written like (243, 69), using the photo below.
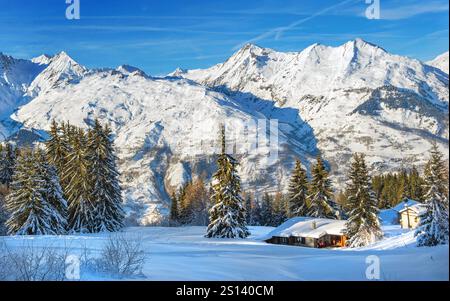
(81, 210)
(7, 162)
(298, 191)
(52, 192)
(433, 226)
(57, 148)
(320, 194)
(363, 225)
(31, 213)
(103, 176)
(227, 216)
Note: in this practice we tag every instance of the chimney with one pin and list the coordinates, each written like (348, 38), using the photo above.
(314, 225)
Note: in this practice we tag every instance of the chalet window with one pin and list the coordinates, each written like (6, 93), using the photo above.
(300, 240)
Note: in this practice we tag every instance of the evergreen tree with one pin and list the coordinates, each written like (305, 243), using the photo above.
(320, 194)
(3, 214)
(298, 191)
(183, 206)
(255, 215)
(280, 209)
(82, 211)
(227, 216)
(53, 193)
(267, 210)
(34, 199)
(363, 225)
(433, 226)
(248, 209)
(57, 148)
(7, 162)
(105, 194)
(174, 216)
(416, 184)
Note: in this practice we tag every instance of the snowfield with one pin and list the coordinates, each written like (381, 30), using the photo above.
(184, 254)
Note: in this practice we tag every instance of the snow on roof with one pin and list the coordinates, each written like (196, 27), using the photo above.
(418, 208)
(403, 204)
(309, 227)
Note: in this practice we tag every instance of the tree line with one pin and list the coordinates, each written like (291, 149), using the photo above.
(230, 213)
(71, 185)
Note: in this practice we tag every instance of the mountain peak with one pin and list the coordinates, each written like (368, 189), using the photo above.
(43, 59)
(441, 62)
(63, 56)
(127, 69)
(361, 44)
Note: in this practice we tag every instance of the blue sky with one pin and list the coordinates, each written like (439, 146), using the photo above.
(159, 36)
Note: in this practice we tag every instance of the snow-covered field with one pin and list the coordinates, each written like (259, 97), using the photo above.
(184, 254)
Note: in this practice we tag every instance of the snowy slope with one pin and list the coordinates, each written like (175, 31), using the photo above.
(15, 76)
(356, 97)
(184, 254)
(440, 62)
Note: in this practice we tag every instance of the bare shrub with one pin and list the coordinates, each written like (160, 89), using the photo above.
(30, 263)
(122, 256)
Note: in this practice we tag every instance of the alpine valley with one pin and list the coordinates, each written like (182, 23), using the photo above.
(335, 100)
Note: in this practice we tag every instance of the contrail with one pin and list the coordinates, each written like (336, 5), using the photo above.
(277, 32)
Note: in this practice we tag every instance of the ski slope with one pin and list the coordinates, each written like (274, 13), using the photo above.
(184, 254)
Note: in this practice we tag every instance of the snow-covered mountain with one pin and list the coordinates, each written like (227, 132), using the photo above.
(440, 62)
(166, 128)
(356, 97)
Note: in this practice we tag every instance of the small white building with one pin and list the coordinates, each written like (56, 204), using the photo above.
(410, 216)
(391, 216)
(309, 232)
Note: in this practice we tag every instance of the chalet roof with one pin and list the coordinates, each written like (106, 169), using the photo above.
(309, 227)
(402, 205)
(418, 208)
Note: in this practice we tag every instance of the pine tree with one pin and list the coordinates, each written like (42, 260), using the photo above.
(255, 215)
(415, 185)
(320, 195)
(280, 209)
(174, 216)
(81, 210)
(34, 200)
(433, 226)
(298, 191)
(183, 206)
(227, 216)
(267, 210)
(53, 193)
(363, 225)
(105, 194)
(57, 149)
(7, 162)
(3, 214)
(248, 209)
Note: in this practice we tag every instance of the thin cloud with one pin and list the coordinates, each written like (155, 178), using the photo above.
(279, 31)
(411, 10)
